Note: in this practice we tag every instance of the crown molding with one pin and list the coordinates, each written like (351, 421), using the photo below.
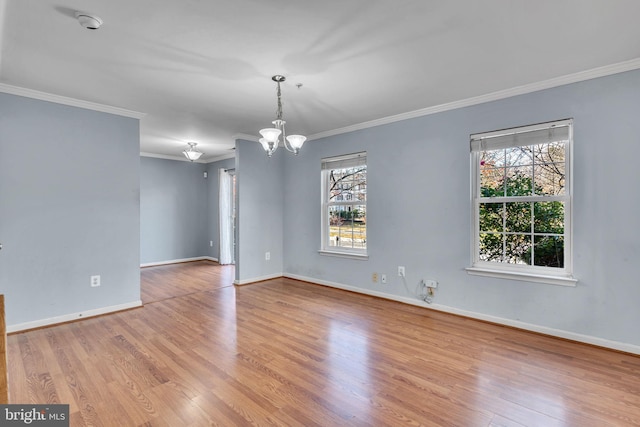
(607, 70)
(245, 137)
(169, 157)
(184, 159)
(222, 157)
(59, 99)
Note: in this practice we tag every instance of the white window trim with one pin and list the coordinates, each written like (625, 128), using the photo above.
(524, 276)
(537, 274)
(325, 249)
(359, 256)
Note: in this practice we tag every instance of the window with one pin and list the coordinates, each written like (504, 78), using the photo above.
(344, 205)
(521, 185)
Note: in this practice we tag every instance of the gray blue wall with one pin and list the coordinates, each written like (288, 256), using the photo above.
(419, 210)
(259, 181)
(179, 209)
(174, 210)
(69, 209)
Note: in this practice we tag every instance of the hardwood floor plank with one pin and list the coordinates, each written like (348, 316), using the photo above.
(175, 280)
(16, 374)
(39, 381)
(287, 353)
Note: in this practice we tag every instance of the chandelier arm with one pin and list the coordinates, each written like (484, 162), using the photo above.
(285, 142)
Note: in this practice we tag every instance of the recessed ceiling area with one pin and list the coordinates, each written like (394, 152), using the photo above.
(201, 70)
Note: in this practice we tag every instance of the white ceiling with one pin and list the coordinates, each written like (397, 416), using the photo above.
(201, 70)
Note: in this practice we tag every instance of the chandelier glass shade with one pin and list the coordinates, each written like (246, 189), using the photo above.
(191, 152)
(271, 136)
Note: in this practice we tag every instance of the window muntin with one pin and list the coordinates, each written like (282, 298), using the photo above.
(344, 204)
(522, 199)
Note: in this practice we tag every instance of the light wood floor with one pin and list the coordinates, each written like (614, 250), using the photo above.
(283, 352)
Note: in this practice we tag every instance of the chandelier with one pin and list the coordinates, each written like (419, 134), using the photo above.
(191, 152)
(271, 136)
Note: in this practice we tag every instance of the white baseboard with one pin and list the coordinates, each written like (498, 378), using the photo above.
(573, 336)
(73, 316)
(259, 279)
(177, 261)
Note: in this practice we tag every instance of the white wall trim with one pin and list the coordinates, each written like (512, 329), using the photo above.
(184, 159)
(246, 137)
(3, 7)
(169, 157)
(59, 99)
(258, 279)
(524, 277)
(588, 339)
(230, 155)
(72, 316)
(494, 96)
(177, 261)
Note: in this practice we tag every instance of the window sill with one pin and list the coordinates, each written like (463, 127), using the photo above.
(361, 257)
(527, 277)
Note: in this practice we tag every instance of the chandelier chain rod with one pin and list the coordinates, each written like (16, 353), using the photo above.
(279, 110)
(272, 137)
(280, 122)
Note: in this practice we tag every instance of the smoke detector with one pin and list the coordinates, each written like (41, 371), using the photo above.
(88, 21)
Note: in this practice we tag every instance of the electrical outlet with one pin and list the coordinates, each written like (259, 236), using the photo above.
(267, 256)
(374, 277)
(430, 283)
(211, 243)
(401, 270)
(95, 281)
(383, 278)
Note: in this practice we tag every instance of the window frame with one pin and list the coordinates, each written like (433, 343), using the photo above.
(525, 272)
(348, 160)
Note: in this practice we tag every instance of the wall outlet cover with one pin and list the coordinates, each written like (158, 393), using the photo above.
(430, 283)
(95, 281)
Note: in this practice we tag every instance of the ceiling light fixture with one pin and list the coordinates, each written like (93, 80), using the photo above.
(90, 22)
(191, 152)
(271, 136)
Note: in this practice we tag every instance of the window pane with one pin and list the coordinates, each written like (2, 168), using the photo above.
(492, 182)
(491, 216)
(518, 249)
(548, 217)
(491, 247)
(347, 184)
(519, 181)
(518, 156)
(348, 226)
(518, 217)
(509, 248)
(549, 251)
(492, 159)
(549, 178)
(549, 152)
